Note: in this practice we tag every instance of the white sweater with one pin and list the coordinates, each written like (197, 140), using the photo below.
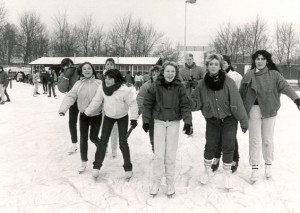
(236, 77)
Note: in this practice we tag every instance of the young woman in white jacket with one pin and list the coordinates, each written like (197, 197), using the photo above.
(117, 99)
(83, 92)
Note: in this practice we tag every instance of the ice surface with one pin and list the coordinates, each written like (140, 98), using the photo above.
(37, 174)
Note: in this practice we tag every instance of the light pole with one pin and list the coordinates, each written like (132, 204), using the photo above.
(191, 2)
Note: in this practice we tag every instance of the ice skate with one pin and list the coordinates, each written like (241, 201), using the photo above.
(95, 173)
(234, 166)
(170, 190)
(128, 175)
(227, 176)
(254, 175)
(215, 164)
(82, 167)
(154, 189)
(205, 178)
(268, 171)
(73, 148)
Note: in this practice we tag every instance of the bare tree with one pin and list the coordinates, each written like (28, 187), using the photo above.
(150, 38)
(167, 51)
(97, 41)
(85, 30)
(3, 12)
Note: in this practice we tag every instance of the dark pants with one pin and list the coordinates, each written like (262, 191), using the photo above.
(44, 82)
(51, 86)
(85, 122)
(151, 133)
(106, 131)
(220, 130)
(236, 156)
(6, 94)
(73, 116)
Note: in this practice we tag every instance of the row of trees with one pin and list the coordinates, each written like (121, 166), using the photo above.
(31, 39)
(240, 42)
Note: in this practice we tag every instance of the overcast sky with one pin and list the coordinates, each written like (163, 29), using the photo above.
(203, 18)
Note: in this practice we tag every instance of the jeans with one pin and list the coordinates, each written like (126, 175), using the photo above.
(223, 130)
(106, 131)
(236, 156)
(151, 133)
(166, 134)
(44, 82)
(51, 86)
(261, 133)
(73, 116)
(86, 122)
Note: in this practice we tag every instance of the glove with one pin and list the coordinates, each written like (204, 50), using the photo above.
(188, 129)
(69, 72)
(146, 127)
(133, 123)
(62, 114)
(244, 130)
(297, 102)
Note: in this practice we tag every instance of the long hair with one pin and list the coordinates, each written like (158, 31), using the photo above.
(268, 56)
(155, 68)
(79, 69)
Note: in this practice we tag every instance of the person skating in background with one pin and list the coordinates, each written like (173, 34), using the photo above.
(229, 70)
(66, 81)
(35, 81)
(167, 103)
(43, 77)
(114, 137)
(260, 90)
(51, 76)
(154, 73)
(138, 81)
(129, 79)
(220, 103)
(117, 99)
(3, 84)
(83, 92)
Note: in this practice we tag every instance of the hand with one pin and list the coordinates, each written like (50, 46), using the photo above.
(69, 72)
(146, 127)
(244, 130)
(188, 129)
(133, 123)
(62, 114)
(297, 102)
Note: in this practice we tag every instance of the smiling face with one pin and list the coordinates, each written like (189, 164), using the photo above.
(260, 62)
(87, 70)
(189, 60)
(213, 66)
(169, 73)
(109, 65)
(109, 81)
(225, 65)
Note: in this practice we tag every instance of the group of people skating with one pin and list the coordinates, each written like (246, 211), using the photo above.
(223, 96)
(47, 78)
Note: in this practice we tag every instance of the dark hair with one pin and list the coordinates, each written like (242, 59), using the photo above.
(227, 59)
(1, 68)
(268, 56)
(110, 60)
(115, 74)
(155, 68)
(171, 63)
(66, 62)
(79, 69)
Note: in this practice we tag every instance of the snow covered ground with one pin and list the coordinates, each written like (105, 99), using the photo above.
(37, 174)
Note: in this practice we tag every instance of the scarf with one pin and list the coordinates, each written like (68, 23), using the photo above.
(215, 82)
(190, 66)
(110, 90)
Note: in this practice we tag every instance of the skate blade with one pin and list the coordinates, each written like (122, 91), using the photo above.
(171, 195)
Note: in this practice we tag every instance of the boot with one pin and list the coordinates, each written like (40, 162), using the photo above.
(73, 148)
(207, 172)
(268, 171)
(234, 166)
(114, 153)
(227, 175)
(215, 164)
(170, 189)
(82, 167)
(155, 188)
(255, 174)
(128, 174)
(95, 173)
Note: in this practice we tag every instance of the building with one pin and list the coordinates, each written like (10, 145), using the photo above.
(124, 64)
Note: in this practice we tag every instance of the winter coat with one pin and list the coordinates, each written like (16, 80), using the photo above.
(265, 86)
(129, 79)
(220, 103)
(3, 77)
(51, 77)
(142, 93)
(65, 84)
(166, 102)
(189, 73)
(35, 78)
(83, 92)
(43, 74)
(116, 105)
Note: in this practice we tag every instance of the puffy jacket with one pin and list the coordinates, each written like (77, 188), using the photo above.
(142, 93)
(83, 92)
(3, 77)
(265, 86)
(116, 105)
(166, 102)
(193, 73)
(65, 84)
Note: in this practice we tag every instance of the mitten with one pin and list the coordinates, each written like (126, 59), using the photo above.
(146, 127)
(297, 102)
(62, 114)
(133, 123)
(188, 129)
